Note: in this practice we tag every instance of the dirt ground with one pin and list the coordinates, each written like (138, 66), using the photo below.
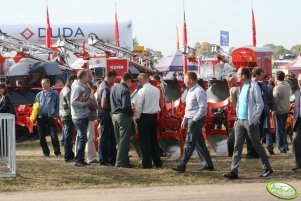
(214, 192)
(50, 178)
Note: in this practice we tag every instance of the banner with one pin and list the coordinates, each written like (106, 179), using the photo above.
(224, 39)
(121, 66)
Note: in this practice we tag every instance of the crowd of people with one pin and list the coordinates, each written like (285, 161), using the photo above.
(81, 103)
(255, 100)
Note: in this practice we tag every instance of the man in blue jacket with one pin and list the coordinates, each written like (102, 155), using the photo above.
(249, 109)
(48, 100)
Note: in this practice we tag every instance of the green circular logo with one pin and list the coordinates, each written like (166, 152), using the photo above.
(282, 190)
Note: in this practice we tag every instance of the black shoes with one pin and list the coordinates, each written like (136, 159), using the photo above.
(125, 166)
(271, 152)
(58, 154)
(93, 162)
(81, 164)
(159, 164)
(46, 154)
(179, 168)
(266, 173)
(70, 160)
(297, 167)
(231, 175)
(207, 168)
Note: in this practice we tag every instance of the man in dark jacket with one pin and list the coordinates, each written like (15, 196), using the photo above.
(269, 103)
(107, 141)
(48, 100)
(297, 129)
(65, 114)
(122, 119)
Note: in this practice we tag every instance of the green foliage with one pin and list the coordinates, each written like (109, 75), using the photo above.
(154, 54)
(296, 50)
(203, 48)
(278, 50)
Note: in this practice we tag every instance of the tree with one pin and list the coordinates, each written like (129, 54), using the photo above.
(279, 50)
(296, 50)
(203, 48)
(154, 54)
(270, 45)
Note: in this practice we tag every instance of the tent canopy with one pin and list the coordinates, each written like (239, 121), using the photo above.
(294, 65)
(173, 62)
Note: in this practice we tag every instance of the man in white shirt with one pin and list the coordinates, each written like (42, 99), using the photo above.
(146, 109)
(195, 113)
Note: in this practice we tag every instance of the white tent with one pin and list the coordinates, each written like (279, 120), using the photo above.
(294, 66)
(173, 62)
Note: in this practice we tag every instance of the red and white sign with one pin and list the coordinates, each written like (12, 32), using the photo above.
(121, 66)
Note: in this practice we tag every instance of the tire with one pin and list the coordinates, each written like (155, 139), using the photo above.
(230, 142)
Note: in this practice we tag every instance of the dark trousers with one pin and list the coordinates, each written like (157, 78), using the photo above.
(68, 130)
(242, 130)
(297, 143)
(147, 130)
(43, 123)
(280, 127)
(195, 139)
(107, 142)
(81, 126)
(250, 149)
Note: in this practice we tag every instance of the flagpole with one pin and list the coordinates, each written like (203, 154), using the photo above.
(253, 27)
(178, 41)
(185, 60)
(116, 27)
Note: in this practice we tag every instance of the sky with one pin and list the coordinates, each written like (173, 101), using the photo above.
(155, 21)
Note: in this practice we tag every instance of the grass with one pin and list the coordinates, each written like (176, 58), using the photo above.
(36, 172)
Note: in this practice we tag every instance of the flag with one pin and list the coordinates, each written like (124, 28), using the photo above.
(253, 29)
(116, 28)
(185, 32)
(48, 40)
(178, 40)
(224, 39)
(185, 60)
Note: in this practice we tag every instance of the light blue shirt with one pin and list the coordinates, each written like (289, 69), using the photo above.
(242, 100)
(196, 102)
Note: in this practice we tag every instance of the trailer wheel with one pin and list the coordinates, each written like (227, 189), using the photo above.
(230, 142)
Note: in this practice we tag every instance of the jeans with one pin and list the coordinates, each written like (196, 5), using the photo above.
(81, 126)
(63, 136)
(68, 130)
(43, 123)
(297, 143)
(107, 142)
(281, 136)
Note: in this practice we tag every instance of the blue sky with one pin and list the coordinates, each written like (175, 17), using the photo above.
(154, 21)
